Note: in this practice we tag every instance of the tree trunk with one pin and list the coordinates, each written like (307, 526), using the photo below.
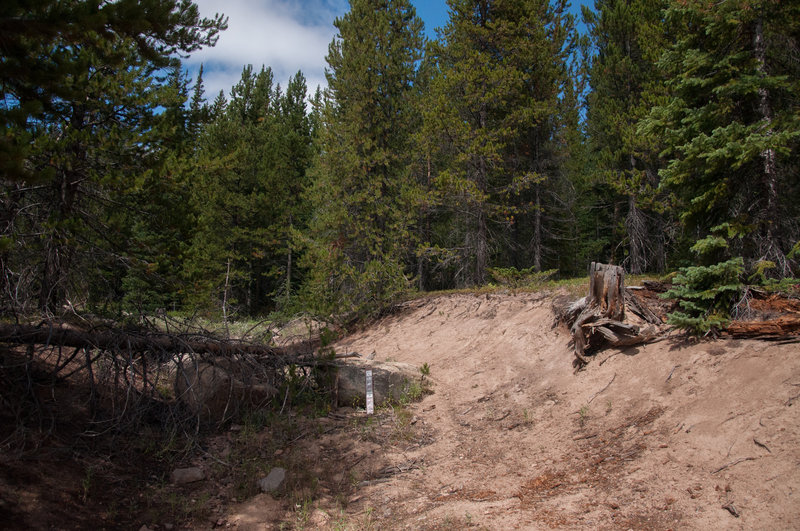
(58, 251)
(637, 232)
(537, 229)
(607, 290)
(600, 321)
(769, 180)
(118, 340)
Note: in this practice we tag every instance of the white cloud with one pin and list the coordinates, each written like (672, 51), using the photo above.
(285, 35)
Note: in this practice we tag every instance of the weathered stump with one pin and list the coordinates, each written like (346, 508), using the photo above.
(600, 314)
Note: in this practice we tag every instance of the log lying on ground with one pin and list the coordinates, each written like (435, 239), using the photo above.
(781, 327)
(641, 309)
(215, 379)
(116, 339)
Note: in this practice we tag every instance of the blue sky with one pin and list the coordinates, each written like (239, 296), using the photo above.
(286, 35)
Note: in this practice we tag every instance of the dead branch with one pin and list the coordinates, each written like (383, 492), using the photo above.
(603, 389)
(734, 463)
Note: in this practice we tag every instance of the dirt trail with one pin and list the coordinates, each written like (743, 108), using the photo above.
(670, 435)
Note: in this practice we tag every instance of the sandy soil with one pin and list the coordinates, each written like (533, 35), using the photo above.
(670, 435)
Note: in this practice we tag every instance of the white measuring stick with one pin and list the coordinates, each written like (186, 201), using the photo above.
(370, 399)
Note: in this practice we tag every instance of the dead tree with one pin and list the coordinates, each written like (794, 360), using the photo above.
(598, 319)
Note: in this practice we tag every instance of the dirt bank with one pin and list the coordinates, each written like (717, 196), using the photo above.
(670, 435)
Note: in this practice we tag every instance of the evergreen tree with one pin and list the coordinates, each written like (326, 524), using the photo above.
(81, 88)
(295, 153)
(362, 193)
(251, 164)
(42, 57)
(495, 111)
(156, 212)
(732, 124)
(199, 111)
(628, 37)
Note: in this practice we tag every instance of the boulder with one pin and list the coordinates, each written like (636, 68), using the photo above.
(273, 481)
(182, 476)
(390, 380)
(218, 388)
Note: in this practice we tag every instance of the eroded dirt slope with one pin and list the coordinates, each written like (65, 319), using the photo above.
(670, 435)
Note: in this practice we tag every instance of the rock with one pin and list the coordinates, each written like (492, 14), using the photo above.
(182, 476)
(318, 519)
(390, 380)
(212, 390)
(273, 481)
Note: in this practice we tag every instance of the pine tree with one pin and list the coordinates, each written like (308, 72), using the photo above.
(81, 85)
(295, 154)
(733, 124)
(628, 37)
(231, 198)
(198, 108)
(251, 163)
(42, 57)
(494, 110)
(362, 193)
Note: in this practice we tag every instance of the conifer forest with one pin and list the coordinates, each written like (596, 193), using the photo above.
(667, 135)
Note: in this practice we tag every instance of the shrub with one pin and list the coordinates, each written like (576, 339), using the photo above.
(706, 295)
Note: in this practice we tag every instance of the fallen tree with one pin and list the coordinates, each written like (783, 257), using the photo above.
(189, 378)
(107, 338)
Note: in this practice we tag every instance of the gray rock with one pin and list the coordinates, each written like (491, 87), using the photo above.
(390, 380)
(181, 476)
(273, 481)
(216, 389)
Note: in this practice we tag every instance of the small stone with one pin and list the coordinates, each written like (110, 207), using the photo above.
(319, 518)
(169, 527)
(273, 481)
(182, 476)
(145, 528)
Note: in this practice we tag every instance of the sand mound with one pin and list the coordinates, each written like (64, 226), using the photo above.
(674, 434)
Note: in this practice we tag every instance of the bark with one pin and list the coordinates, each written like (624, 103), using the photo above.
(537, 230)
(607, 289)
(600, 322)
(769, 180)
(782, 327)
(637, 232)
(120, 340)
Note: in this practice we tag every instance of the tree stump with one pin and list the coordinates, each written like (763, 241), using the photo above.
(602, 312)
(607, 290)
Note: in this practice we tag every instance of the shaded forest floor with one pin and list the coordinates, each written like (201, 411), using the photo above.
(672, 434)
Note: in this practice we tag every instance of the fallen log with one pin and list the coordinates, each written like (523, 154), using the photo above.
(120, 340)
(641, 309)
(783, 326)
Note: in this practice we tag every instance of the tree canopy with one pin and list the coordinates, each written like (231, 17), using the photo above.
(509, 146)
